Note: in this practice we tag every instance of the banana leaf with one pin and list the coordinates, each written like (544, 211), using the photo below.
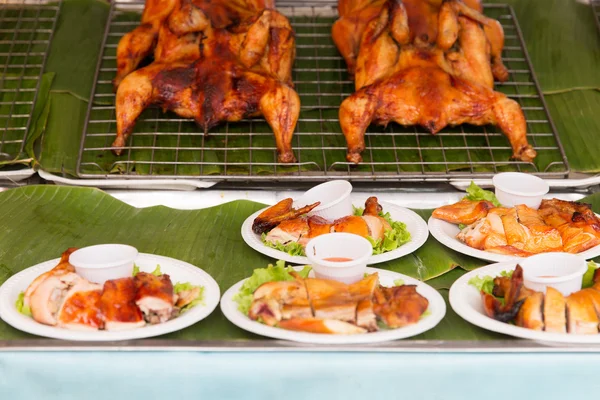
(561, 38)
(39, 222)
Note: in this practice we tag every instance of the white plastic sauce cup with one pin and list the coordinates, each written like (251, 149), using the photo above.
(515, 188)
(334, 197)
(104, 262)
(339, 245)
(563, 271)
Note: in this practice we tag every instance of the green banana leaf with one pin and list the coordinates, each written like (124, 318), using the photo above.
(561, 38)
(39, 222)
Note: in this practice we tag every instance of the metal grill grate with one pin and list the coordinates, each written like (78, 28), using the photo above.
(26, 29)
(167, 146)
(596, 10)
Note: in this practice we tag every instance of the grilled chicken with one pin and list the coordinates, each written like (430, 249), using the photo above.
(522, 231)
(282, 211)
(326, 306)
(118, 307)
(80, 309)
(428, 63)
(154, 296)
(62, 268)
(464, 212)
(206, 72)
(286, 225)
(577, 313)
(47, 298)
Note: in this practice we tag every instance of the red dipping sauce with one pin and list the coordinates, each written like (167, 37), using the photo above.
(337, 259)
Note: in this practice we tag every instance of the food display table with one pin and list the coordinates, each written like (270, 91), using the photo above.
(194, 210)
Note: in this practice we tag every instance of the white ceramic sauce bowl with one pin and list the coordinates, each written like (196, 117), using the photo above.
(334, 197)
(104, 262)
(562, 271)
(339, 245)
(515, 188)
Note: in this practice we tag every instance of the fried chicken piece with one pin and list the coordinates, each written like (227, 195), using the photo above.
(274, 301)
(118, 307)
(278, 213)
(352, 224)
(581, 315)
(487, 232)
(331, 300)
(530, 315)
(155, 297)
(463, 212)
(577, 223)
(399, 305)
(514, 294)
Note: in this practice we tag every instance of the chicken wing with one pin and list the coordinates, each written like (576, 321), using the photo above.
(278, 213)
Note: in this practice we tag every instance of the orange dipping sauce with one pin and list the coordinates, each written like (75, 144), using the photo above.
(337, 259)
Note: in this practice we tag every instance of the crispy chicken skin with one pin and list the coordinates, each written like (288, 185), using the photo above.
(155, 297)
(399, 305)
(429, 63)
(117, 304)
(47, 298)
(63, 267)
(282, 211)
(530, 315)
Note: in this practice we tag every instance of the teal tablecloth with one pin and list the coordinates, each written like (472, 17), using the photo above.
(288, 376)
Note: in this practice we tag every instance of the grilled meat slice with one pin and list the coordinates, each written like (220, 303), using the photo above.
(63, 267)
(581, 315)
(331, 300)
(48, 296)
(555, 312)
(278, 213)
(363, 291)
(118, 307)
(399, 305)
(464, 212)
(318, 325)
(155, 297)
(80, 309)
(352, 224)
(530, 315)
(273, 301)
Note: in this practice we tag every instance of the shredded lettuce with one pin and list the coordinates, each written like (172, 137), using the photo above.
(486, 283)
(273, 273)
(475, 193)
(291, 248)
(20, 305)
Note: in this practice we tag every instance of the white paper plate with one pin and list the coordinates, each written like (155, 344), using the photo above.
(414, 223)
(179, 271)
(445, 233)
(466, 301)
(437, 310)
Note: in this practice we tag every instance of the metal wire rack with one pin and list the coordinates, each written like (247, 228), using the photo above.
(167, 146)
(595, 4)
(26, 29)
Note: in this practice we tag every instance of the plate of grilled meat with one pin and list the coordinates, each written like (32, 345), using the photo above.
(481, 229)
(163, 295)
(497, 298)
(289, 303)
(282, 231)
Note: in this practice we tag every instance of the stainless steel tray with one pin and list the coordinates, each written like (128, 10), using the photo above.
(167, 146)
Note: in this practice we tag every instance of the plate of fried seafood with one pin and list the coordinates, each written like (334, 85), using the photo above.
(163, 295)
(479, 228)
(497, 298)
(282, 231)
(289, 303)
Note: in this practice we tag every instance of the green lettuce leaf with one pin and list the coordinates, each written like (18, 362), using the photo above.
(486, 283)
(475, 193)
(588, 277)
(183, 286)
(392, 239)
(136, 270)
(399, 282)
(21, 307)
(273, 273)
(156, 272)
(291, 248)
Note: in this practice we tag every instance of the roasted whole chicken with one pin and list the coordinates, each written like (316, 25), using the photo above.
(424, 62)
(330, 307)
(64, 299)
(550, 312)
(214, 61)
(557, 225)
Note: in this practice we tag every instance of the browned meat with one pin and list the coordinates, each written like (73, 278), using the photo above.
(155, 297)
(399, 305)
(118, 307)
